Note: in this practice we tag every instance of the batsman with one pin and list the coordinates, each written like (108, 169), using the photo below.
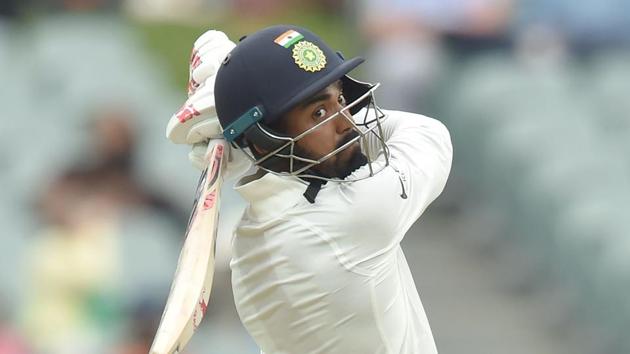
(335, 182)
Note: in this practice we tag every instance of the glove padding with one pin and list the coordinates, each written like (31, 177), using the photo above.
(196, 123)
(237, 162)
(208, 52)
(197, 120)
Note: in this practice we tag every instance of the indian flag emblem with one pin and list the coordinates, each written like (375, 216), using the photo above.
(288, 38)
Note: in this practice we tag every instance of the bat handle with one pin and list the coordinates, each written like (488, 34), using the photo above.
(213, 142)
(225, 151)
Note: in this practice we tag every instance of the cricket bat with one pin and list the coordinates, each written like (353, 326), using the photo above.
(188, 298)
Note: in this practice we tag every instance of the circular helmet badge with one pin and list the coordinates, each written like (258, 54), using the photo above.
(308, 56)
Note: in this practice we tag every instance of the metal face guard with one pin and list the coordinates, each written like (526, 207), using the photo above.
(369, 125)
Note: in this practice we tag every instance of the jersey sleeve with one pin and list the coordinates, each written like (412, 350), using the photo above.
(421, 153)
(382, 208)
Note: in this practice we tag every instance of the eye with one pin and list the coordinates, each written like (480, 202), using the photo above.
(320, 113)
(341, 100)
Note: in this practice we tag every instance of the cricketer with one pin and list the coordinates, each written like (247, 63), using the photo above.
(335, 182)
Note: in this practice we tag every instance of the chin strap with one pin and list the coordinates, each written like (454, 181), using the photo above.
(314, 186)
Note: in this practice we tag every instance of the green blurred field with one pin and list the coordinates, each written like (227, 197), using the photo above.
(173, 41)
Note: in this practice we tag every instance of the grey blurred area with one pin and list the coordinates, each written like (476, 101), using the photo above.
(94, 199)
(526, 251)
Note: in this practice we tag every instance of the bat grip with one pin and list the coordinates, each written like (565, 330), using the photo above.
(214, 142)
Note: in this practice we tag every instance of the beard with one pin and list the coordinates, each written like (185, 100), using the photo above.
(357, 160)
(338, 168)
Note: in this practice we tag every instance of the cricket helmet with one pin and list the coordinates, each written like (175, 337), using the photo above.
(270, 72)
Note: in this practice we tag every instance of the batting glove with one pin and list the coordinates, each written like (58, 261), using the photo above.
(196, 123)
(237, 162)
(196, 120)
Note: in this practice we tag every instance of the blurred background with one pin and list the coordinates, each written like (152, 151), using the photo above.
(527, 250)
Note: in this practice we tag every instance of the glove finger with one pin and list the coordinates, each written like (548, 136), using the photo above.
(199, 107)
(201, 73)
(209, 61)
(206, 59)
(203, 100)
(203, 44)
(207, 64)
(197, 156)
(177, 130)
(237, 163)
(204, 71)
(209, 36)
(199, 149)
(204, 75)
(217, 49)
(222, 45)
(202, 131)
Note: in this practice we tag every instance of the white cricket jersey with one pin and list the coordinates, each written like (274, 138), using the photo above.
(330, 277)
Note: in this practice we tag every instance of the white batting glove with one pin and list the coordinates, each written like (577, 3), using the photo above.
(197, 121)
(237, 162)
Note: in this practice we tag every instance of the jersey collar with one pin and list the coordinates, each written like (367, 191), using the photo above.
(270, 195)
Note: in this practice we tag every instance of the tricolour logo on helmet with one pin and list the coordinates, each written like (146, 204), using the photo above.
(308, 56)
(288, 38)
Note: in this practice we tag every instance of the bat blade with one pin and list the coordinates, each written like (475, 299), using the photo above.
(190, 291)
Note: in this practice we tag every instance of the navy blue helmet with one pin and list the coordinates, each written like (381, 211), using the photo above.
(270, 72)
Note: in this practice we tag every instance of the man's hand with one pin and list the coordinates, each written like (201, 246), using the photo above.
(237, 162)
(196, 122)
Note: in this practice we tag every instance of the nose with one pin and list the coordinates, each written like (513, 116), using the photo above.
(343, 121)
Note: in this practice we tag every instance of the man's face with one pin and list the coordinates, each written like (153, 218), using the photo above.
(327, 137)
